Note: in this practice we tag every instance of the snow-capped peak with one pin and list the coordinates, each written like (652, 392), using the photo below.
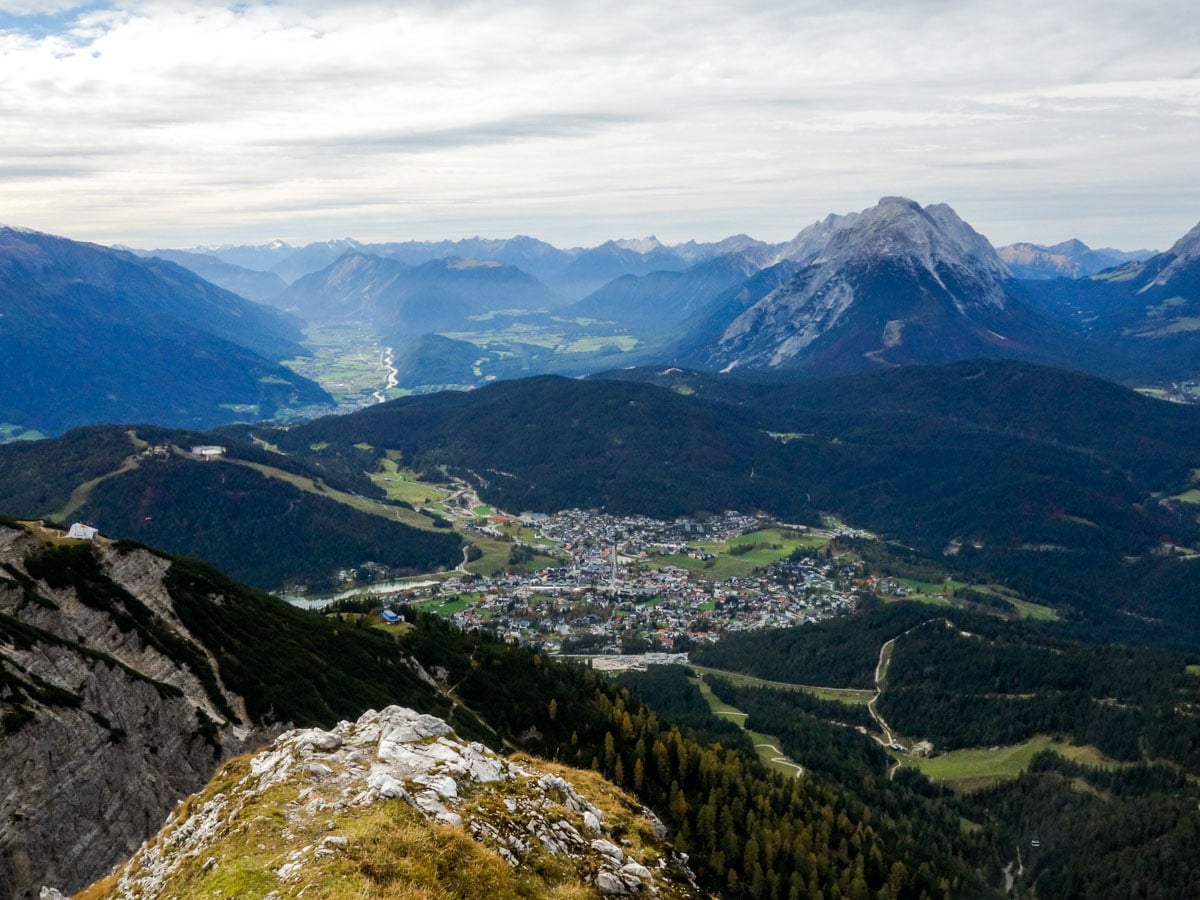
(20, 229)
(642, 245)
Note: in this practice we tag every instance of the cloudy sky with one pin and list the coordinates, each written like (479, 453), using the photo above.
(162, 123)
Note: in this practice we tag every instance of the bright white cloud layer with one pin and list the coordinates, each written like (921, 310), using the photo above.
(172, 123)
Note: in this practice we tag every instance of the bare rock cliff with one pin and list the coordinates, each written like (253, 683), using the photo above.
(103, 728)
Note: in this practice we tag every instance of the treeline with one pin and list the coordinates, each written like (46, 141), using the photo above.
(840, 652)
(839, 754)
(790, 702)
(963, 679)
(673, 694)
(971, 653)
(293, 666)
(37, 477)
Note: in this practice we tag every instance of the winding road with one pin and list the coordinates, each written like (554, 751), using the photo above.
(881, 667)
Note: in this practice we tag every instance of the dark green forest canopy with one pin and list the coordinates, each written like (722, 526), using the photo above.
(962, 679)
(626, 448)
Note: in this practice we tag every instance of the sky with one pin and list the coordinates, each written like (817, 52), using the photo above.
(156, 123)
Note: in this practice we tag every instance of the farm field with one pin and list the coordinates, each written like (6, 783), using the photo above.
(971, 769)
(347, 361)
(401, 484)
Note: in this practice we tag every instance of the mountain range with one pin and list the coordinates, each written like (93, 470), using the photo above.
(92, 334)
(1068, 259)
(895, 284)
(572, 272)
(1145, 310)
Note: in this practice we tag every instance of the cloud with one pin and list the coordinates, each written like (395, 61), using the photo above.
(193, 122)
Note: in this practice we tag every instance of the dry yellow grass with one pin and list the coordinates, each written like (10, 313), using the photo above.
(391, 851)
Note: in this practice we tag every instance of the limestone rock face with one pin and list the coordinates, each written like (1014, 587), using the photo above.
(295, 816)
(102, 732)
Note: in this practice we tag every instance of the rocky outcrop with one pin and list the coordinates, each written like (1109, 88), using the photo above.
(381, 803)
(103, 732)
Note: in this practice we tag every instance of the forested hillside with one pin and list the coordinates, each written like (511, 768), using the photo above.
(1121, 728)
(267, 519)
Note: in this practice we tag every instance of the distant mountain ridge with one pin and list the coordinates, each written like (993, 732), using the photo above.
(405, 301)
(92, 334)
(1068, 259)
(572, 272)
(1145, 314)
(896, 284)
(249, 283)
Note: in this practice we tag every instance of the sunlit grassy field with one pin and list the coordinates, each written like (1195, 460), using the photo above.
(979, 767)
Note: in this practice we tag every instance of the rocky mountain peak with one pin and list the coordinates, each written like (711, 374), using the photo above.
(934, 236)
(317, 807)
(1186, 251)
(1070, 247)
(910, 264)
(810, 241)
